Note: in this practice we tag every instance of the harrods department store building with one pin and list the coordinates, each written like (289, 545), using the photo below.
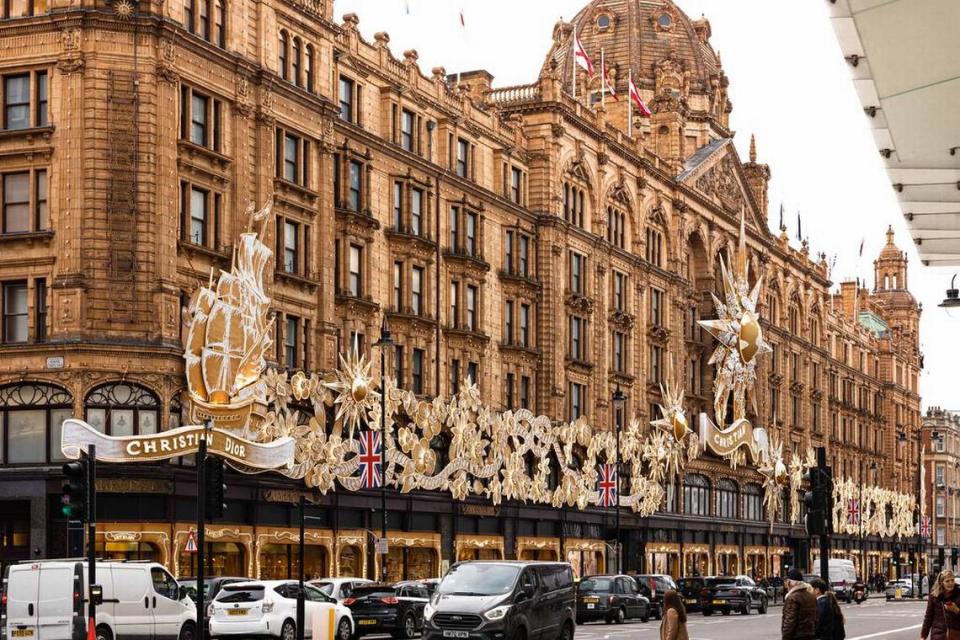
(518, 236)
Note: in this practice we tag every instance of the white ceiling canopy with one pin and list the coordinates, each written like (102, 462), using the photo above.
(905, 60)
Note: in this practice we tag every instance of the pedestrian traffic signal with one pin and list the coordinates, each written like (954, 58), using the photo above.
(953, 557)
(819, 501)
(75, 496)
(214, 506)
(940, 557)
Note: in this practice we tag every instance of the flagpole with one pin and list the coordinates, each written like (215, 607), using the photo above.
(630, 105)
(574, 51)
(603, 79)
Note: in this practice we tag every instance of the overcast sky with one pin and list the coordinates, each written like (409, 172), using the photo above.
(789, 85)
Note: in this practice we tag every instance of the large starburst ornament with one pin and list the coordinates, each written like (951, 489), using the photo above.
(356, 397)
(680, 444)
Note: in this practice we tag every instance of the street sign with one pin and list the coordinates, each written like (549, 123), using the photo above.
(382, 546)
(191, 543)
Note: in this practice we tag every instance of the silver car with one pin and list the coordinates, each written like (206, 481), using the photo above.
(905, 587)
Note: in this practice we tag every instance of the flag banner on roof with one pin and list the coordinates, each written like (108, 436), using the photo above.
(637, 100)
(612, 89)
(580, 55)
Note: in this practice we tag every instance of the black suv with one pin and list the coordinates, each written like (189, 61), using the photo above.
(503, 600)
(690, 590)
(610, 598)
(396, 609)
(653, 586)
(734, 593)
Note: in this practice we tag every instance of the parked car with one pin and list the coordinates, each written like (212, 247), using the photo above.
(45, 600)
(612, 598)
(653, 586)
(339, 588)
(690, 589)
(396, 609)
(431, 584)
(843, 575)
(211, 586)
(493, 599)
(732, 593)
(905, 586)
(269, 608)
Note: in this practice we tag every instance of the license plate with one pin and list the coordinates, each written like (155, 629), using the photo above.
(591, 600)
(22, 633)
(691, 601)
(456, 634)
(236, 612)
(719, 602)
(591, 606)
(367, 622)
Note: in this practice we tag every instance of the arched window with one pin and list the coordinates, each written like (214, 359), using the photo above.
(282, 55)
(752, 502)
(815, 329)
(31, 415)
(794, 320)
(726, 499)
(295, 59)
(772, 312)
(308, 68)
(616, 227)
(122, 409)
(696, 495)
(204, 26)
(219, 24)
(654, 246)
(574, 204)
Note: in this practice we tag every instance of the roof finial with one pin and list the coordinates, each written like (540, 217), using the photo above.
(890, 235)
(753, 148)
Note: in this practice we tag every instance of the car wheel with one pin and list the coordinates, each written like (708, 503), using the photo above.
(409, 627)
(566, 632)
(344, 632)
(620, 616)
(763, 606)
(708, 612)
(646, 615)
(579, 621)
(725, 612)
(103, 633)
(745, 609)
(188, 632)
(519, 634)
(288, 631)
(657, 613)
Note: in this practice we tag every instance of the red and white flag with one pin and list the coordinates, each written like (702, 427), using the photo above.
(853, 511)
(580, 55)
(609, 85)
(463, 23)
(637, 100)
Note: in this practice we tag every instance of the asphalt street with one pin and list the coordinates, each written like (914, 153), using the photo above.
(872, 620)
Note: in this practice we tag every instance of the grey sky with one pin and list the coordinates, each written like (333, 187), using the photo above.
(789, 85)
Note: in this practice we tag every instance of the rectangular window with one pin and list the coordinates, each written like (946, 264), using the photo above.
(471, 244)
(454, 376)
(290, 341)
(576, 337)
(524, 325)
(346, 99)
(398, 206)
(471, 308)
(198, 215)
(463, 151)
(577, 263)
(941, 507)
(656, 364)
(524, 392)
(290, 164)
(198, 118)
(41, 118)
(406, 130)
(656, 307)
(16, 202)
(454, 228)
(353, 196)
(619, 291)
(398, 287)
(508, 323)
(577, 400)
(940, 474)
(40, 288)
(355, 283)
(516, 185)
(398, 366)
(15, 312)
(508, 253)
(454, 305)
(291, 236)
(524, 256)
(41, 214)
(508, 391)
(416, 371)
(416, 212)
(416, 291)
(16, 102)
(619, 344)
(473, 373)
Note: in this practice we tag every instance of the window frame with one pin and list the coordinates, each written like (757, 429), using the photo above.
(37, 107)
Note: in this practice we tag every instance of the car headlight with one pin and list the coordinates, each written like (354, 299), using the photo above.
(497, 613)
(428, 612)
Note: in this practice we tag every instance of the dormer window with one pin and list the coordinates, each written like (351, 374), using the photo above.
(603, 22)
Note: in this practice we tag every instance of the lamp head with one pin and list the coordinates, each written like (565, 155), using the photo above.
(951, 304)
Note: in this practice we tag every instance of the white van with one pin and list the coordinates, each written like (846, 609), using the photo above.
(843, 575)
(45, 600)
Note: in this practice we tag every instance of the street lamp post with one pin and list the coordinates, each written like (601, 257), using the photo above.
(385, 341)
(902, 437)
(619, 400)
(863, 539)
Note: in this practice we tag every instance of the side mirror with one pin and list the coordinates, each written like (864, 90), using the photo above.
(182, 592)
(527, 591)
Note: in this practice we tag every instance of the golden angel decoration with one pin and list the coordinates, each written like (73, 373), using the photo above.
(672, 444)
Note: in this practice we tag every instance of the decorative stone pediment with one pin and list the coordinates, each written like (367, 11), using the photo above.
(659, 334)
(716, 172)
(622, 320)
(579, 303)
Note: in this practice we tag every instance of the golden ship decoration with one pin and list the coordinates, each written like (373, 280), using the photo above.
(458, 444)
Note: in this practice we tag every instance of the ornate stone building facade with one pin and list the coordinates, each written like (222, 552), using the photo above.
(516, 236)
(941, 441)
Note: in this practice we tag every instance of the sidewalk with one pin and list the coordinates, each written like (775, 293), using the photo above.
(872, 596)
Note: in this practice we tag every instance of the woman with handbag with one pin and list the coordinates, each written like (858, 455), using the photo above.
(942, 618)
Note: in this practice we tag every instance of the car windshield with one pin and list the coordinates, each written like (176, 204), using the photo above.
(376, 591)
(233, 593)
(716, 582)
(479, 579)
(325, 587)
(595, 584)
(690, 583)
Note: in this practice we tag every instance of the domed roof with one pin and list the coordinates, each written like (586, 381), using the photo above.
(890, 251)
(637, 36)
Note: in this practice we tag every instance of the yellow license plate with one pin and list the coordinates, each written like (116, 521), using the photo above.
(591, 600)
(691, 601)
(236, 612)
(719, 602)
(368, 622)
(22, 633)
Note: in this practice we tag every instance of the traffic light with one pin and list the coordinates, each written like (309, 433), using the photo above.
(953, 557)
(826, 493)
(215, 488)
(75, 497)
(896, 556)
(940, 557)
(815, 520)
(787, 562)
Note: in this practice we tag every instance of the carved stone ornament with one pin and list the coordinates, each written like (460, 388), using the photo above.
(265, 108)
(775, 379)
(166, 68)
(71, 59)
(622, 320)
(243, 104)
(720, 182)
(659, 334)
(580, 303)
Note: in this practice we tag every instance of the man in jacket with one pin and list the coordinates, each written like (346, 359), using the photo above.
(799, 609)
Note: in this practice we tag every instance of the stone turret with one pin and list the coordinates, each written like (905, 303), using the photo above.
(758, 178)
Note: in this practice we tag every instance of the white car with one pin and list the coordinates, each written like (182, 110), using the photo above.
(338, 588)
(269, 608)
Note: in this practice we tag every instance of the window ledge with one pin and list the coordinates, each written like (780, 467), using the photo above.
(475, 260)
(193, 149)
(30, 236)
(221, 253)
(529, 281)
(363, 217)
(31, 133)
(466, 333)
(364, 302)
(296, 279)
(516, 348)
(576, 363)
(283, 186)
(406, 234)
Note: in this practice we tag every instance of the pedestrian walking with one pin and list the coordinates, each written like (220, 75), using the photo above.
(674, 623)
(942, 618)
(799, 609)
(830, 624)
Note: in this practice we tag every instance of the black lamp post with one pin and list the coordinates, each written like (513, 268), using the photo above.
(619, 401)
(902, 437)
(863, 540)
(385, 341)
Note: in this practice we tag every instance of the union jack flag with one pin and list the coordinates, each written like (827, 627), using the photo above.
(371, 472)
(607, 485)
(853, 511)
(925, 527)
